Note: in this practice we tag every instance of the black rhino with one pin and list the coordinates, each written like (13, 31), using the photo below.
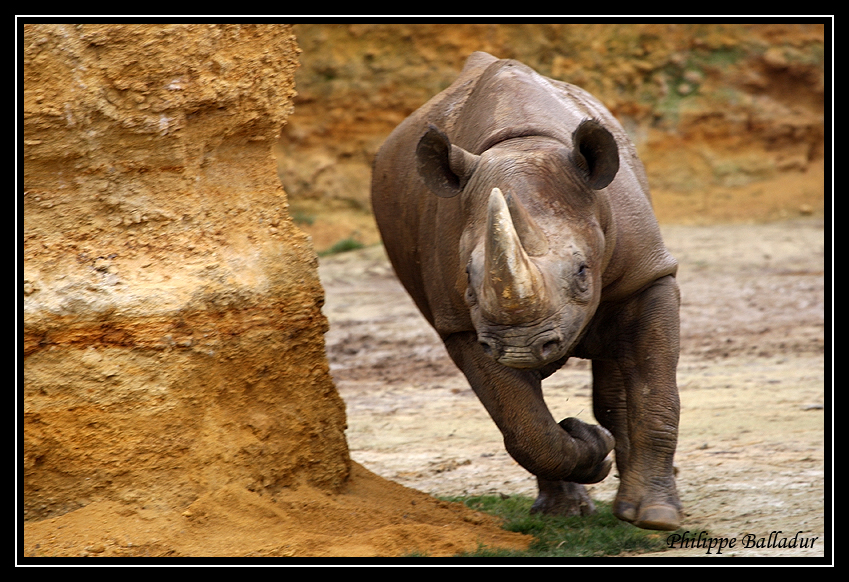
(517, 215)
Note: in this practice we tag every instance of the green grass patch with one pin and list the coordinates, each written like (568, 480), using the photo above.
(344, 245)
(601, 534)
(722, 56)
(301, 217)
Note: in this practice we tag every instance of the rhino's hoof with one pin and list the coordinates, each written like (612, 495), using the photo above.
(594, 438)
(593, 474)
(663, 517)
(603, 470)
(625, 511)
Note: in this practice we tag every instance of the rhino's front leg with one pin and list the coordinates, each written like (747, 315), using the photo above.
(567, 451)
(635, 395)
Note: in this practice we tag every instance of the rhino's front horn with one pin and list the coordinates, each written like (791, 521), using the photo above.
(513, 286)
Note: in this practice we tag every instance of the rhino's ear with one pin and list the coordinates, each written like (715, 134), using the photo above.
(595, 153)
(445, 168)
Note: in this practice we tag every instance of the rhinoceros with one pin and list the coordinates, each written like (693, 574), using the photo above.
(516, 213)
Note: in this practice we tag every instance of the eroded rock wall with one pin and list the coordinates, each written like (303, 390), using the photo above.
(172, 310)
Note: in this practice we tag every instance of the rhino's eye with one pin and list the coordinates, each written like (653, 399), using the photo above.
(471, 297)
(582, 275)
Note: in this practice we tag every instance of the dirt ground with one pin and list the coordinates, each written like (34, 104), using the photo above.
(752, 447)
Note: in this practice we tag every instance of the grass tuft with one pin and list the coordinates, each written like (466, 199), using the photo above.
(344, 245)
(601, 534)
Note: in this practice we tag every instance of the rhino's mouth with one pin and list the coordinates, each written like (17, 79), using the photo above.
(523, 351)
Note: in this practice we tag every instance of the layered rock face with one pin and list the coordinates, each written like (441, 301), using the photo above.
(728, 118)
(172, 311)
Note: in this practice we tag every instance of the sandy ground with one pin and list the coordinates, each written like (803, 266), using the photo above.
(752, 447)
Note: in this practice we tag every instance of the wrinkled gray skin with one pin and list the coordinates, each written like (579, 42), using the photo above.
(517, 215)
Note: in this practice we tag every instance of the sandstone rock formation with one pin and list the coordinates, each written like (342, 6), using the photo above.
(172, 325)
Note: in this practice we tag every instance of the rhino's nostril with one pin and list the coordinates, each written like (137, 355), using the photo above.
(550, 347)
(487, 348)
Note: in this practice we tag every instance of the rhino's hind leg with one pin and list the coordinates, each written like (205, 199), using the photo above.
(562, 498)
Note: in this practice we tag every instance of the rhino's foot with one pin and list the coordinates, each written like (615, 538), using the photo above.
(562, 498)
(650, 514)
(596, 443)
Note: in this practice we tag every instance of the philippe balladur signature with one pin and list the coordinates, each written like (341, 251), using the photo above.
(774, 540)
